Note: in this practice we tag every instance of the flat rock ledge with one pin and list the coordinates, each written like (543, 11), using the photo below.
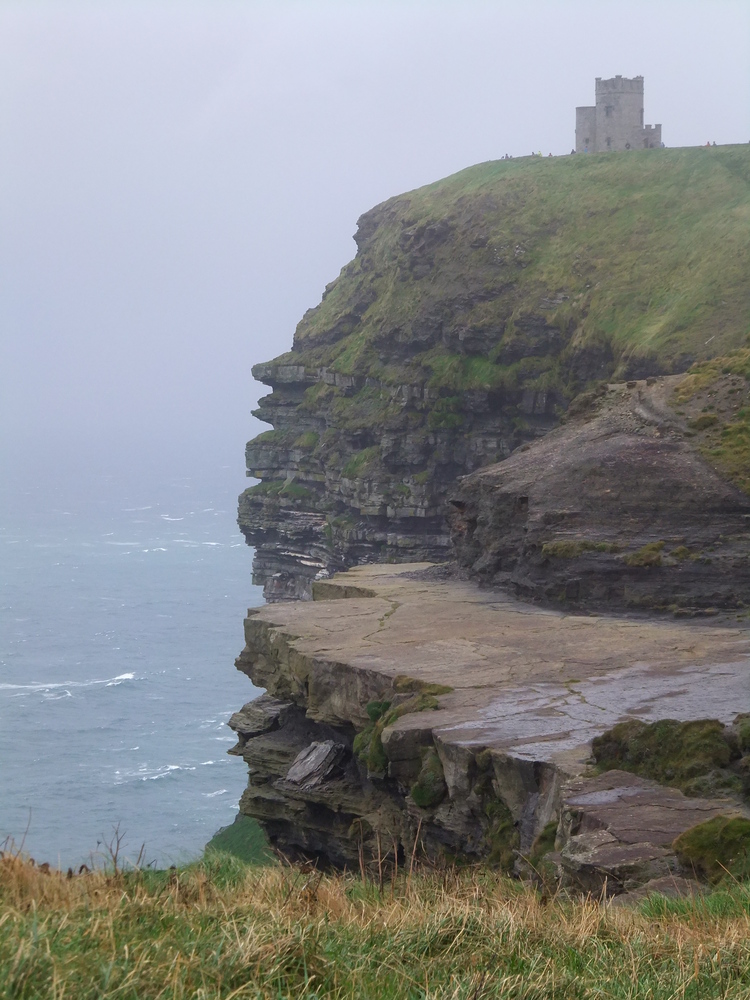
(408, 712)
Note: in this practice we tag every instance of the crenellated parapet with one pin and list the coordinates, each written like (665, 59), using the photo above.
(615, 122)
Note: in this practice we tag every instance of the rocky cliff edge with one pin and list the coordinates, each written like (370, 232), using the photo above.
(406, 711)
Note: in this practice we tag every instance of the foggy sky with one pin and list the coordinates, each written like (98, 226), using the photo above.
(179, 181)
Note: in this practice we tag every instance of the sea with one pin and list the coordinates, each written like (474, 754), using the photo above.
(121, 608)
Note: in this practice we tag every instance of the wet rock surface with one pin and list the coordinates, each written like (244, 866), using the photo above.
(439, 714)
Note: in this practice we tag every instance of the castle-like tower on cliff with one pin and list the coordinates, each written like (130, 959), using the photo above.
(616, 121)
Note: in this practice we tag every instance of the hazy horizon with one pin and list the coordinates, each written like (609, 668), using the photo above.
(180, 182)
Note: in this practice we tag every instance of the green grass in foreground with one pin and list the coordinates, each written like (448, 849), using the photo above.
(221, 929)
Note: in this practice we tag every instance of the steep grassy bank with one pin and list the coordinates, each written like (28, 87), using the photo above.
(475, 309)
(222, 930)
(646, 252)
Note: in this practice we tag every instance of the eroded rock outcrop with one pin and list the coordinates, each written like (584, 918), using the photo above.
(406, 710)
(622, 506)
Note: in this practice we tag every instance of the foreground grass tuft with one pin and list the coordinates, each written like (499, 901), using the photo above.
(219, 929)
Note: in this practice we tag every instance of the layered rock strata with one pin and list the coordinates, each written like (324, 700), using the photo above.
(622, 506)
(474, 311)
(405, 710)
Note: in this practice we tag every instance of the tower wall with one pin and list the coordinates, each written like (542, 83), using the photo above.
(650, 137)
(619, 114)
(585, 130)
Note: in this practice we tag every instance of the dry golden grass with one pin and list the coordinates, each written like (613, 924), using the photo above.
(219, 929)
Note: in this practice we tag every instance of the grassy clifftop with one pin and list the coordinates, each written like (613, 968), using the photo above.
(475, 310)
(645, 253)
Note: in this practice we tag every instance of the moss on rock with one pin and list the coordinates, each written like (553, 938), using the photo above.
(692, 756)
(429, 789)
(368, 744)
(402, 683)
(717, 848)
(648, 555)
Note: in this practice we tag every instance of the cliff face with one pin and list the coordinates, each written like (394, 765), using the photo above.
(474, 311)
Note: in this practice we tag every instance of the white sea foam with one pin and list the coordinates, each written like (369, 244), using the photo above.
(131, 510)
(166, 517)
(43, 687)
(146, 773)
(163, 772)
(212, 795)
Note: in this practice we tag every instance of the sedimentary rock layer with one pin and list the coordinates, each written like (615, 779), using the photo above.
(406, 708)
(622, 506)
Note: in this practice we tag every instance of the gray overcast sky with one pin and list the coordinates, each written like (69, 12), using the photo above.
(179, 181)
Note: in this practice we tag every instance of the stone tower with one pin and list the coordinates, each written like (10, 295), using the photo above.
(616, 122)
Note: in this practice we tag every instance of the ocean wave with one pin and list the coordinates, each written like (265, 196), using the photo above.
(212, 795)
(41, 686)
(166, 517)
(145, 773)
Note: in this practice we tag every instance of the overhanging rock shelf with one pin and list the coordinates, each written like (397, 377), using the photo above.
(401, 702)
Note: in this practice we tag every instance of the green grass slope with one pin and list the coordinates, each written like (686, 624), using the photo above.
(644, 255)
(244, 839)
